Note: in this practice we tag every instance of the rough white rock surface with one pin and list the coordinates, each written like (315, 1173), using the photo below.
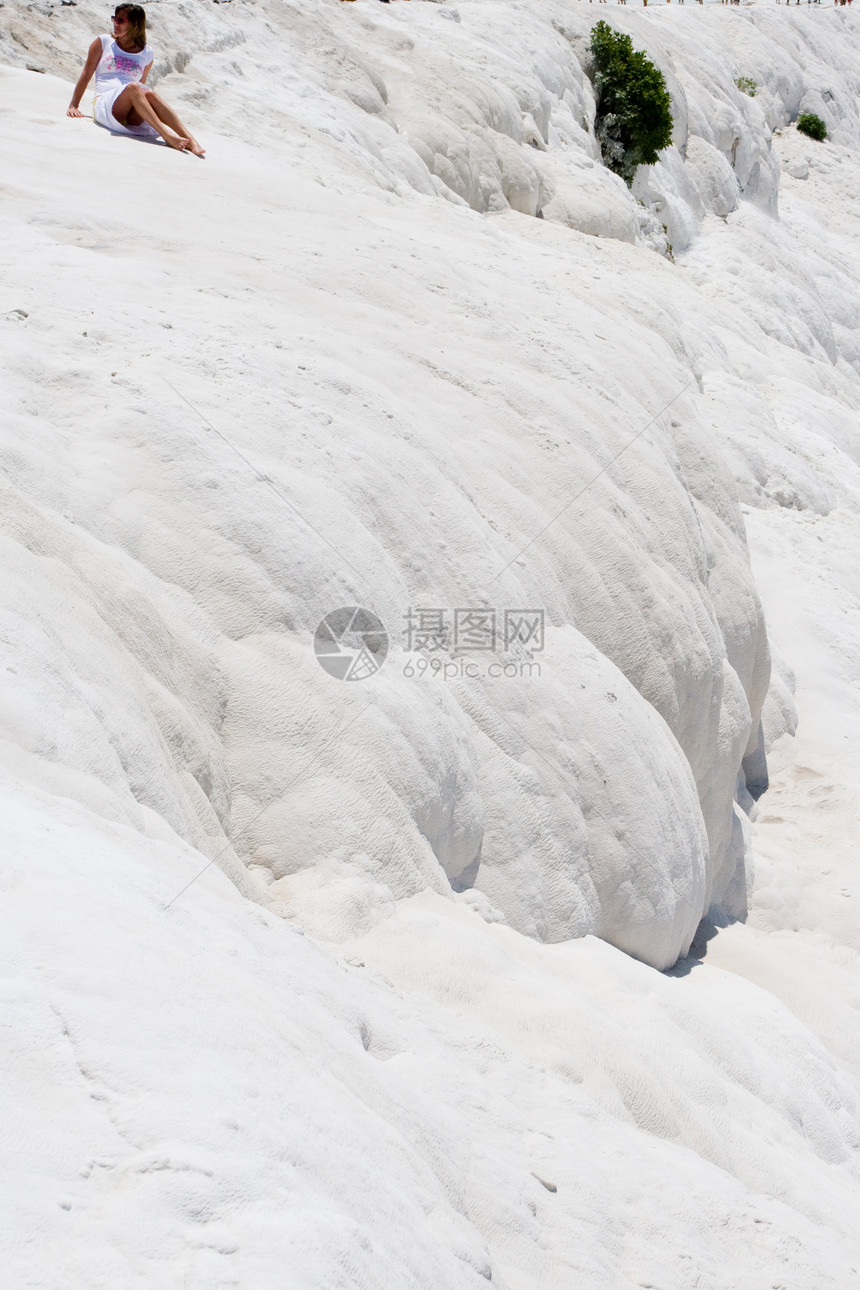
(341, 362)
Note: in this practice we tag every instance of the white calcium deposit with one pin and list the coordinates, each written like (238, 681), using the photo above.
(388, 984)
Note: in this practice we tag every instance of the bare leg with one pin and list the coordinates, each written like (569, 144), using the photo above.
(132, 108)
(171, 120)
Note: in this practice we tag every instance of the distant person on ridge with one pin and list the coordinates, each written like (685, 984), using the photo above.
(124, 104)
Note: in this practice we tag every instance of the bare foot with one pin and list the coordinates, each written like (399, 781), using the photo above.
(194, 147)
(174, 141)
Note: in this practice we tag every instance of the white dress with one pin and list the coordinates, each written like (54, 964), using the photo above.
(115, 71)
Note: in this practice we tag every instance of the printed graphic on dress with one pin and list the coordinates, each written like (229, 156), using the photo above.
(120, 63)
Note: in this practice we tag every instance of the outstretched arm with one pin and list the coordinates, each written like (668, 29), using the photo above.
(93, 58)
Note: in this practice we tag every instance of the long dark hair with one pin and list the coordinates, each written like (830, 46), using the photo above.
(136, 15)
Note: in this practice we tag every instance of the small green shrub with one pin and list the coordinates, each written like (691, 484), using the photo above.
(746, 85)
(812, 125)
(634, 110)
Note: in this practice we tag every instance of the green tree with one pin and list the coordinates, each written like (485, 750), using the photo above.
(809, 123)
(634, 110)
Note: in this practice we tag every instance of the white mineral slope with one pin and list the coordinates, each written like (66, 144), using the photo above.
(656, 643)
(340, 362)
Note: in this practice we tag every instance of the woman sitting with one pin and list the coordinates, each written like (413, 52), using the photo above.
(124, 103)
